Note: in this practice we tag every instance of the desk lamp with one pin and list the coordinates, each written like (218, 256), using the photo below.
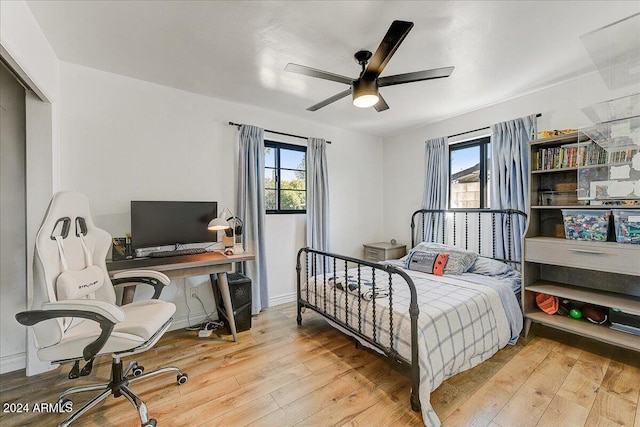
(218, 224)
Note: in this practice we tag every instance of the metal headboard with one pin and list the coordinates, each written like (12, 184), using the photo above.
(467, 228)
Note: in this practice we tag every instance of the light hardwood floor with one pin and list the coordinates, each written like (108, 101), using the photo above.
(279, 374)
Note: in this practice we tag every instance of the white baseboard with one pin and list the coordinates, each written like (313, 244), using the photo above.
(282, 299)
(13, 362)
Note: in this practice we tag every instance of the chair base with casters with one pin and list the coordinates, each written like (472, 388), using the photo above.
(119, 386)
(120, 379)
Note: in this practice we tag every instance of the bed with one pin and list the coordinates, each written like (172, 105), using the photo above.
(447, 306)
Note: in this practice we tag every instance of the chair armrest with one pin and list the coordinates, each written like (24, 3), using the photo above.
(148, 277)
(107, 315)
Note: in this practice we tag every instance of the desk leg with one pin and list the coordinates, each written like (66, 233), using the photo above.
(127, 294)
(226, 298)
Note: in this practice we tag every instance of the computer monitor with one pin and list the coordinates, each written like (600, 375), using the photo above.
(158, 223)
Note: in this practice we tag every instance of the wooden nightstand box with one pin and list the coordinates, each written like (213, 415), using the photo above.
(383, 251)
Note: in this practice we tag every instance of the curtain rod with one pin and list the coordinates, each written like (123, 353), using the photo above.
(476, 130)
(276, 132)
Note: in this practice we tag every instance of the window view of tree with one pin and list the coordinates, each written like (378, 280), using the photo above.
(285, 178)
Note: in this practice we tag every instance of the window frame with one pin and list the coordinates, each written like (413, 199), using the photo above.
(483, 143)
(277, 146)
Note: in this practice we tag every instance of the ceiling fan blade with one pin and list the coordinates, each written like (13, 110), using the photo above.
(390, 43)
(381, 105)
(328, 101)
(312, 72)
(436, 73)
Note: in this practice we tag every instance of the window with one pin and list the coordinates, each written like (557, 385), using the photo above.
(285, 178)
(469, 174)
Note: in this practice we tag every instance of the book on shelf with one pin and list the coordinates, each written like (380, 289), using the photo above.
(625, 328)
(571, 156)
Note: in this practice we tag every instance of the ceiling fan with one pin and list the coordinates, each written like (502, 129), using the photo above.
(365, 88)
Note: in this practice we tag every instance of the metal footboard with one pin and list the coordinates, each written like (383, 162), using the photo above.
(322, 268)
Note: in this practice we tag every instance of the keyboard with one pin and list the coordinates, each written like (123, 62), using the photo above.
(178, 252)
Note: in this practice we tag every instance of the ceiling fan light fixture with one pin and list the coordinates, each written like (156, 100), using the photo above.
(365, 93)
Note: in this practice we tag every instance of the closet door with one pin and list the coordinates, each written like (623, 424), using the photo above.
(13, 264)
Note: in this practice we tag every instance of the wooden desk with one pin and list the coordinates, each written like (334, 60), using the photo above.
(187, 266)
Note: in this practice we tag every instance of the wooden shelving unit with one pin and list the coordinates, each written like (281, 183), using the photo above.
(601, 273)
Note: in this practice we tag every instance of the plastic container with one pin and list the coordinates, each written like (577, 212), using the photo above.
(627, 225)
(582, 224)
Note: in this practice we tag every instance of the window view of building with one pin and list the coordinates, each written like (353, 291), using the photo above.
(469, 174)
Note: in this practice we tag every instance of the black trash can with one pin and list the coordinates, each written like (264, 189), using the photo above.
(240, 291)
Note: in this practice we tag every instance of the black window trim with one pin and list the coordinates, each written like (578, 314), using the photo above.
(278, 145)
(482, 142)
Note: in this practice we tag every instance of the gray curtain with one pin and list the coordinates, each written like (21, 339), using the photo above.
(251, 210)
(317, 195)
(436, 166)
(510, 176)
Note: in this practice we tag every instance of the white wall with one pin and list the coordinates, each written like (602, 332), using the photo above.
(403, 155)
(126, 139)
(24, 47)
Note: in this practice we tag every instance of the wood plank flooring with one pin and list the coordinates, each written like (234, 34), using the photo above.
(279, 374)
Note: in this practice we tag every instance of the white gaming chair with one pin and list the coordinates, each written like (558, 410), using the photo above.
(74, 313)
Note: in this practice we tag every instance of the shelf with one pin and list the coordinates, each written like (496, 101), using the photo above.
(603, 165)
(628, 304)
(554, 170)
(558, 140)
(586, 207)
(586, 329)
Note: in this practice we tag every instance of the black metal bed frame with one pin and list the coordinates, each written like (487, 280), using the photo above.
(430, 225)
(426, 225)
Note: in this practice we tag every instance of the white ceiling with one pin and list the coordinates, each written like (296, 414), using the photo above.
(237, 50)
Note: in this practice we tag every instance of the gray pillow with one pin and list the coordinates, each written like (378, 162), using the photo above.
(460, 260)
(489, 267)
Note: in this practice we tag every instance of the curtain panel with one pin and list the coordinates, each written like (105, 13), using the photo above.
(317, 195)
(251, 210)
(510, 173)
(436, 165)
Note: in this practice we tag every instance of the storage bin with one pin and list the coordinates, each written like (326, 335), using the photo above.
(583, 224)
(627, 225)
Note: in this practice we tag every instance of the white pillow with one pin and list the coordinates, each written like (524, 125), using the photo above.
(78, 284)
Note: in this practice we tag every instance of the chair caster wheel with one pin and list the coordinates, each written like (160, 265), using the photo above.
(150, 423)
(65, 404)
(182, 378)
(137, 371)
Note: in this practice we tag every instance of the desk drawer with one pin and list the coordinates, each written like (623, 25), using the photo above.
(600, 256)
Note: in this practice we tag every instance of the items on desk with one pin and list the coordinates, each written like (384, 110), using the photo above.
(178, 252)
(232, 227)
(120, 249)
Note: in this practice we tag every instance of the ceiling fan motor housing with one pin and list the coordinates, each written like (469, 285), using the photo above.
(365, 89)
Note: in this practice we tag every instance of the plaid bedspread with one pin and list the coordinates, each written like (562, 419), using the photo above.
(460, 325)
